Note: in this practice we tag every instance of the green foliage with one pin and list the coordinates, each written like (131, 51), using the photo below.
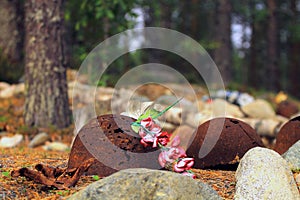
(60, 192)
(96, 177)
(295, 32)
(3, 119)
(92, 21)
(10, 71)
(6, 174)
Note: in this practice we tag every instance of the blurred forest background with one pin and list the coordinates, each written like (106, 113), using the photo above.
(255, 43)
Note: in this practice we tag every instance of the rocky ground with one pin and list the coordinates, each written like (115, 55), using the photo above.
(22, 146)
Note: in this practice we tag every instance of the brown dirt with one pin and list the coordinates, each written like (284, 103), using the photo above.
(20, 188)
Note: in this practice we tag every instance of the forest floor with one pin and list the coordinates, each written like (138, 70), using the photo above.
(11, 122)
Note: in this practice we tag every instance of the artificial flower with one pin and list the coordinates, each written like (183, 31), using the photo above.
(189, 174)
(174, 152)
(147, 122)
(183, 164)
(161, 138)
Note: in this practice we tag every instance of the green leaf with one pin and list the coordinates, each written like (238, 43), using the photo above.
(6, 174)
(96, 177)
(165, 110)
(149, 113)
(135, 127)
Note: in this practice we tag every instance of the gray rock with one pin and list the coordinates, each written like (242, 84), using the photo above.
(222, 108)
(12, 90)
(8, 142)
(55, 146)
(146, 184)
(174, 115)
(264, 174)
(39, 139)
(197, 119)
(259, 109)
(3, 85)
(292, 156)
(267, 127)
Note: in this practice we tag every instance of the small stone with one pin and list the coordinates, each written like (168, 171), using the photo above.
(7, 92)
(197, 119)
(222, 141)
(259, 109)
(8, 142)
(3, 85)
(12, 90)
(287, 109)
(267, 127)
(222, 108)
(288, 135)
(168, 126)
(251, 121)
(264, 174)
(174, 115)
(55, 146)
(140, 183)
(292, 156)
(39, 139)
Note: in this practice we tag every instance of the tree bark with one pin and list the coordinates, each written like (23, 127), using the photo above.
(253, 70)
(273, 79)
(223, 53)
(11, 40)
(46, 101)
(294, 54)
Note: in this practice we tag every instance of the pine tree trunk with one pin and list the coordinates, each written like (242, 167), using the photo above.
(222, 55)
(294, 54)
(272, 74)
(10, 30)
(11, 40)
(45, 72)
(253, 67)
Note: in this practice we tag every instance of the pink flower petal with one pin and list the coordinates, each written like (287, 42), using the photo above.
(162, 158)
(155, 128)
(177, 169)
(175, 141)
(147, 122)
(193, 176)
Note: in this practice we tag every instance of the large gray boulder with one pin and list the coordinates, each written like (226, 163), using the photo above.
(141, 183)
(264, 174)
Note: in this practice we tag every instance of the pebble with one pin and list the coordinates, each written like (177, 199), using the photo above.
(8, 142)
(39, 139)
(55, 146)
(259, 109)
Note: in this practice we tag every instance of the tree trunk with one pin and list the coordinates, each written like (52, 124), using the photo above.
(10, 33)
(223, 53)
(272, 74)
(11, 39)
(294, 54)
(45, 68)
(253, 70)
